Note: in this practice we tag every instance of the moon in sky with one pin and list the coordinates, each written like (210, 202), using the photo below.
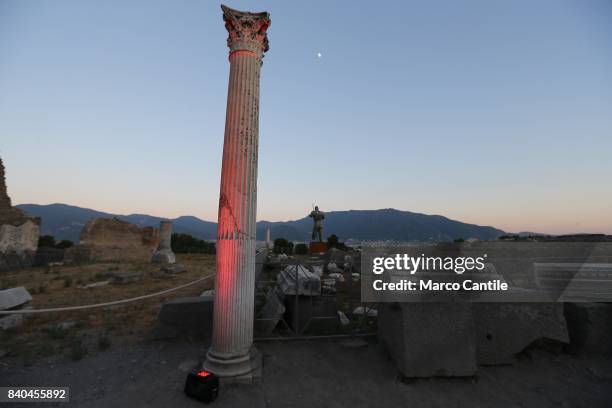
(319, 55)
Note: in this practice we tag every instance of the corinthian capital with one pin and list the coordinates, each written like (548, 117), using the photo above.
(247, 31)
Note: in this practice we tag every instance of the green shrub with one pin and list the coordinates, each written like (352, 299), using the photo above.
(186, 244)
(301, 249)
(282, 246)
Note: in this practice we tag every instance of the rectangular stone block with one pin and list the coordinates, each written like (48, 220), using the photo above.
(505, 329)
(188, 315)
(429, 339)
(590, 327)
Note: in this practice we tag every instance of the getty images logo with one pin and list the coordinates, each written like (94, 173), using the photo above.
(405, 262)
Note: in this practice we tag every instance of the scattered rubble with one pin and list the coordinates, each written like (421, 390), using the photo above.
(337, 276)
(208, 293)
(65, 325)
(368, 311)
(308, 283)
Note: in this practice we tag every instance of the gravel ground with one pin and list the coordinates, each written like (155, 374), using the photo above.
(315, 373)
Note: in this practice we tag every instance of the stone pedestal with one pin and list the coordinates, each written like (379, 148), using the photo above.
(318, 247)
(230, 353)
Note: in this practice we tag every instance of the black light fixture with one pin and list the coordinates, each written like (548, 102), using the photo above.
(202, 385)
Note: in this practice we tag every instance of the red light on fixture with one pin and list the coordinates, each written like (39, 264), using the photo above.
(203, 373)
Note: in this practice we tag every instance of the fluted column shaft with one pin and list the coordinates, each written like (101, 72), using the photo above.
(234, 297)
(235, 279)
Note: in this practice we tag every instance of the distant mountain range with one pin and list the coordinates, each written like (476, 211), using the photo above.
(66, 221)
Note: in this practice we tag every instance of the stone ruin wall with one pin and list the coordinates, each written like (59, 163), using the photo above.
(18, 232)
(111, 239)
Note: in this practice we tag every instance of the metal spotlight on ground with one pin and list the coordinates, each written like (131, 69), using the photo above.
(202, 385)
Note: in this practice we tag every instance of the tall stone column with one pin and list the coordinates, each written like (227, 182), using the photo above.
(229, 355)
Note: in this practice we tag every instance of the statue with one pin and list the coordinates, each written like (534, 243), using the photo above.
(317, 229)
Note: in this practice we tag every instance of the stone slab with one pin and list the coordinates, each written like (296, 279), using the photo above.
(429, 339)
(123, 278)
(14, 297)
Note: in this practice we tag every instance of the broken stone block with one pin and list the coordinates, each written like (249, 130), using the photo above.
(14, 297)
(333, 268)
(308, 284)
(96, 285)
(270, 314)
(337, 276)
(65, 325)
(590, 327)
(173, 269)
(429, 339)
(505, 329)
(188, 315)
(208, 293)
(368, 311)
(123, 278)
(11, 321)
(344, 320)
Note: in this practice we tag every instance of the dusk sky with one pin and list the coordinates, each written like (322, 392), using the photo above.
(489, 112)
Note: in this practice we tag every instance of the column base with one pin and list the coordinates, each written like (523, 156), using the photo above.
(242, 369)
